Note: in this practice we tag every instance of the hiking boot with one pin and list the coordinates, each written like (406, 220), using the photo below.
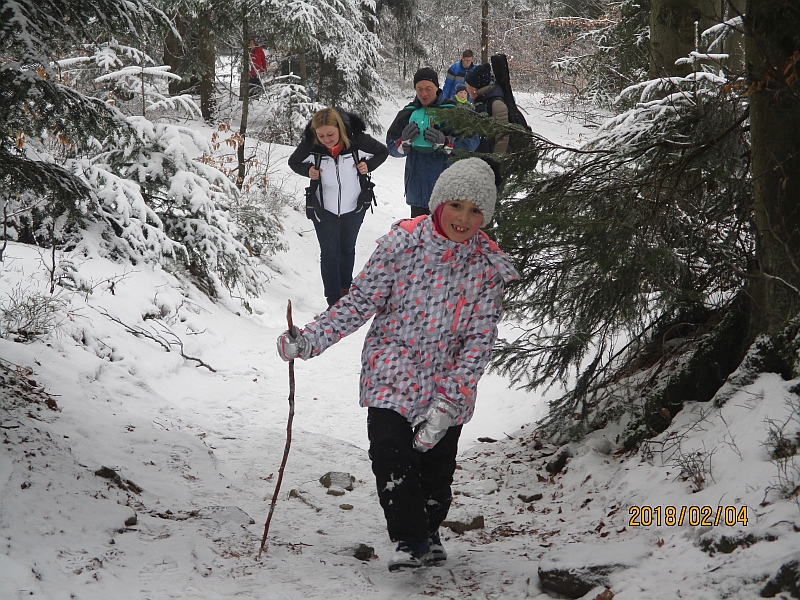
(408, 555)
(436, 552)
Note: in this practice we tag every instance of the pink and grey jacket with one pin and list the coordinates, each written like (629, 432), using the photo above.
(436, 305)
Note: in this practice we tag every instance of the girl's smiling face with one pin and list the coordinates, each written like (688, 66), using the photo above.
(328, 135)
(460, 220)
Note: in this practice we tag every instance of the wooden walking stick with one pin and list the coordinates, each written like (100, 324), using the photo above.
(288, 438)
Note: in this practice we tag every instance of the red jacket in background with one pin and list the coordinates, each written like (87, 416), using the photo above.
(258, 61)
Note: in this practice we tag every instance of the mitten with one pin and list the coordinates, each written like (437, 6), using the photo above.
(432, 425)
(292, 345)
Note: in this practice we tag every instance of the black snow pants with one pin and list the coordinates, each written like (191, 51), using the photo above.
(413, 487)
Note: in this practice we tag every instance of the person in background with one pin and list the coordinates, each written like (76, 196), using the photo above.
(435, 286)
(461, 97)
(424, 165)
(258, 66)
(488, 98)
(457, 72)
(336, 152)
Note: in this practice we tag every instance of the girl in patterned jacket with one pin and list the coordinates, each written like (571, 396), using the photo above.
(435, 286)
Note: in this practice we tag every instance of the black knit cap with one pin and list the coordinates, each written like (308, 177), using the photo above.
(480, 76)
(426, 74)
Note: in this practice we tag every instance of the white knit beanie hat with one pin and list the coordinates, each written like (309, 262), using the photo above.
(468, 179)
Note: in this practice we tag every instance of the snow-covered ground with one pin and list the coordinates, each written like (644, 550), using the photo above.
(195, 456)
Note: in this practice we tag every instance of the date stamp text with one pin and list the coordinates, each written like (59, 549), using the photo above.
(702, 516)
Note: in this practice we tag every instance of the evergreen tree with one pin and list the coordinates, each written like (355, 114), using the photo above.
(197, 31)
(633, 247)
(400, 22)
(331, 46)
(35, 105)
(78, 174)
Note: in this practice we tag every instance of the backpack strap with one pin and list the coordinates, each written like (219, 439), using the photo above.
(314, 206)
(367, 196)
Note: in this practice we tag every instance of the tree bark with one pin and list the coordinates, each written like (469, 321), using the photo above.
(303, 69)
(208, 59)
(244, 91)
(175, 49)
(672, 32)
(772, 50)
(485, 31)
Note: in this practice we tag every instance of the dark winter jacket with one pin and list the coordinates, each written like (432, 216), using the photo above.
(436, 303)
(422, 169)
(455, 75)
(490, 99)
(339, 181)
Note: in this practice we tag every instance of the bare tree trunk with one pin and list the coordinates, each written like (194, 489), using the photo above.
(208, 60)
(485, 31)
(672, 32)
(303, 71)
(173, 54)
(244, 90)
(175, 50)
(772, 46)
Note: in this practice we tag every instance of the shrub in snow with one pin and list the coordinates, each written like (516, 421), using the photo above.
(127, 77)
(256, 208)
(27, 313)
(189, 198)
(286, 108)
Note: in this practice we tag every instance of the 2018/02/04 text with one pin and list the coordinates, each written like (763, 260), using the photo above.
(705, 516)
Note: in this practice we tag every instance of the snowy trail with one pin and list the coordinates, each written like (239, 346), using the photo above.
(205, 447)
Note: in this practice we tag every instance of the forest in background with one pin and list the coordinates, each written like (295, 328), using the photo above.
(659, 258)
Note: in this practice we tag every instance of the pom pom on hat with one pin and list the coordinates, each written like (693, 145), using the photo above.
(480, 76)
(471, 179)
(426, 74)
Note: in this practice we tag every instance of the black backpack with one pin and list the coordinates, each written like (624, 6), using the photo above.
(313, 204)
(502, 78)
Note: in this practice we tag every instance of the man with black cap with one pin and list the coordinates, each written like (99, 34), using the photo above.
(488, 97)
(424, 161)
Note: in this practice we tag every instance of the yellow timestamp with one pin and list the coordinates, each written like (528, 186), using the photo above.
(671, 516)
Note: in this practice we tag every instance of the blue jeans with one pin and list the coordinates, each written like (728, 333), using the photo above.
(337, 249)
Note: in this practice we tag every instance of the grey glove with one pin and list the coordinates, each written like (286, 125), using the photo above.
(437, 138)
(432, 425)
(410, 132)
(434, 136)
(292, 345)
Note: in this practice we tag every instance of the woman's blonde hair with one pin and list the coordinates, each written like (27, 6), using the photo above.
(329, 116)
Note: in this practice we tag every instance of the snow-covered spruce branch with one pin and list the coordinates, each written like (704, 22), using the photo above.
(158, 338)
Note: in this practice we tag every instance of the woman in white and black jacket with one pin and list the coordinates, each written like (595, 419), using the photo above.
(337, 154)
